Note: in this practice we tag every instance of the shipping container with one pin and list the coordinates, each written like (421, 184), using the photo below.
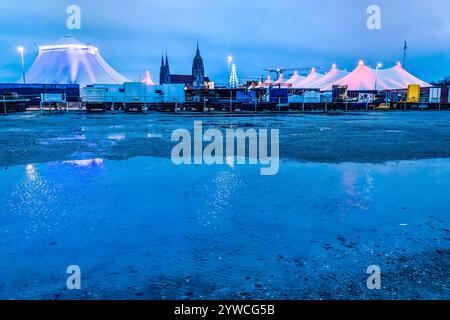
(435, 95)
(413, 93)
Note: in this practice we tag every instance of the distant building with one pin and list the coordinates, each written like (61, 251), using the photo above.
(197, 79)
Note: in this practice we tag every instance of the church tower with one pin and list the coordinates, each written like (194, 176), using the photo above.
(198, 69)
(164, 73)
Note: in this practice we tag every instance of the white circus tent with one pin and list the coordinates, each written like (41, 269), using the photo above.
(268, 82)
(398, 78)
(148, 79)
(311, 78)
(71, 62)
(331, 77)
(296, 78)
(364, 78)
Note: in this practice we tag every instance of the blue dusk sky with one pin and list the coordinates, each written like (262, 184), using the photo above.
(132, 35)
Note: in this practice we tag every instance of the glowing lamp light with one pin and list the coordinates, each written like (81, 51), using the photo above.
(379, 65)
(399, 64)
(361, 62)
(229, 58)
(21, 49)
(334, 66)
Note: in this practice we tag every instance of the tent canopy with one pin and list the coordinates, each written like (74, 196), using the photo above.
(148, 79)
(364, 78)
(296, 78)
(311, 78)
(71, 62)
(331, 77)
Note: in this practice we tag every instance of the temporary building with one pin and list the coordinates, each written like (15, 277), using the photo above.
(364, 78)
(148, 79)
(281, 82)
(331, 77)
(310, 79)
(268, 82)
(296, 78)
(71, 62)
(398, 78)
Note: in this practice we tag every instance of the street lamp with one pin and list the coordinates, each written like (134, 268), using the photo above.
(379, 66)
(229, 59)
(21, 50)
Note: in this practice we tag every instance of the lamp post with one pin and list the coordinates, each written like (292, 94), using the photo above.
(379, 65)
(21, 50)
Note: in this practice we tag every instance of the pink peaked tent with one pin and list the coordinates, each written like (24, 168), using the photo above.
(296, 78)
(331, 77)
(268, 82)
(398, 78)
(281, 82)
(362, 78)
(148, 79)
(311, 78)
(71, 62)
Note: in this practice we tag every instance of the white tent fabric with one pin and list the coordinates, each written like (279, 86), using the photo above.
(280, 80)
(311, 78)
(72, 62)
(331, 77)
(268, 82)
(364, 78)
(296, 78)
(398, 78)
(148, 79)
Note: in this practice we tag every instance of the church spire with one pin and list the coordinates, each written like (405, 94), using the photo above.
(198, 48)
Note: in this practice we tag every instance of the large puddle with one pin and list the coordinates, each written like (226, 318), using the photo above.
(144, 228)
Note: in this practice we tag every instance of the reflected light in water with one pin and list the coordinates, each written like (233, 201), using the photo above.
(86, 163)
(31, 172)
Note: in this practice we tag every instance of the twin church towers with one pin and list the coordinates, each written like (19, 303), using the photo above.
(197, 79)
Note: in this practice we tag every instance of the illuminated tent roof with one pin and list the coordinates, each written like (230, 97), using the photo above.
(296, 78)
(71, 62)
(311, 78)
(331, 77)
(268, 82)
(280, 79)
(148, 79)
(398, 78)
(364, 78)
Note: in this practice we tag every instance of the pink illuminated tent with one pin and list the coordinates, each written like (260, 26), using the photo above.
(281, 82)
(148, 79)
(331, 77)
(362, 78)
(398, 78)
(72, 62)
(310, 79)
(296, 78)
(268, 82)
